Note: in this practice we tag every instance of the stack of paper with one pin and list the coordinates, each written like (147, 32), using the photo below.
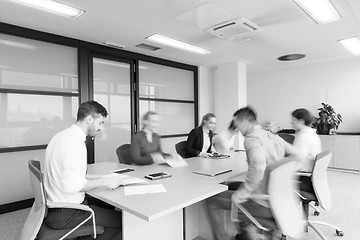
(144, 189)
(175, 161)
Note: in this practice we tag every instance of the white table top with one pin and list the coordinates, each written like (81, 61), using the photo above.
(184, 188)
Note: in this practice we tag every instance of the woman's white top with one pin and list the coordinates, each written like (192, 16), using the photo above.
(309, 145)
(206, 142)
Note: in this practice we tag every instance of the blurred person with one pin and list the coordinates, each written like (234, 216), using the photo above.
(307, 143)
(224, 141)
(65, 178)
(199, 142)
(145, 146)
(263, 149)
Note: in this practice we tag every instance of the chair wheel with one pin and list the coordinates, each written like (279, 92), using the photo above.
(317, 204)
(283, 237)
(316, 213)
(339, 233)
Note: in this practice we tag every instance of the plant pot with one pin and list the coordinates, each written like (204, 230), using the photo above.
(323, 129)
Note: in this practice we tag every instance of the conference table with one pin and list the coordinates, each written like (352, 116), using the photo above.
(172, 214)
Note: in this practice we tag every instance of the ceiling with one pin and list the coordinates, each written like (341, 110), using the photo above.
(286, 28)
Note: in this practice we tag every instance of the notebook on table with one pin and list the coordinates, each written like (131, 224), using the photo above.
(212, 172)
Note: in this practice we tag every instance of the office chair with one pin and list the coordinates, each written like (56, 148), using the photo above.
(284, 203)
(123, 153)
(287, 137)
(321, 193)
(34, 227)
(180, 149)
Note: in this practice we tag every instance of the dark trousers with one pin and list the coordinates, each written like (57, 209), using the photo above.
(111, 220)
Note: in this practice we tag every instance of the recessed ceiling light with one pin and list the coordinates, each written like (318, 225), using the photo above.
(177, 44)
(291, 57)
(322, 11)
(351, 44)
(52, 6)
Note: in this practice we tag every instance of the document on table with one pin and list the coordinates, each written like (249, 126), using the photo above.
(175, 161)
(144, 189)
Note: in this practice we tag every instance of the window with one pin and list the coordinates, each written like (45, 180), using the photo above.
(169, 91)
(38, 91)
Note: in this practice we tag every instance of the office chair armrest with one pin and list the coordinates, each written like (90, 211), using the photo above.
(252, 219)
(75, 206)
(68, 205)
(259, 196)
(299, 194)
(304, 174)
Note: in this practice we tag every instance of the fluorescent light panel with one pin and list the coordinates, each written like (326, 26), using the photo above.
(351, 44)
(177, 44)
(322, 11)
(52, 6)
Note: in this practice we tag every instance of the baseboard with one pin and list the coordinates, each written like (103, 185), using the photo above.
(14, 206)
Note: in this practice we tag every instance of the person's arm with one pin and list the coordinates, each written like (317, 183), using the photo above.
(157, 139)
(256, 168)
(110, 183)
(73, 172)
(135, 151)
(190, 142)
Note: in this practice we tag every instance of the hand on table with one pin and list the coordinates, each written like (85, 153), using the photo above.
(112, 183)
(157, 158)
(205, 155)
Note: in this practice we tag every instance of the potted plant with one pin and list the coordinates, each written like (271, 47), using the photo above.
(328, 119)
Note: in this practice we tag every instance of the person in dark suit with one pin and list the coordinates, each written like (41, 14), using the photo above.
(199, 141)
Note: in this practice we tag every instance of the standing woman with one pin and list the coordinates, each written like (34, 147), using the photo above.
(199, 141)
(145, 146)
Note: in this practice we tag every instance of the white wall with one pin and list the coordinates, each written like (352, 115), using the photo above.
(229, 95)
(15, 181)
(275, 94)
(229, 92)
(205, 91)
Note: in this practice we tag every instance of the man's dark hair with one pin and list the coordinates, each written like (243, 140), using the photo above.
(232, 126)
(90, 108)
(303, 114)
(245, 113)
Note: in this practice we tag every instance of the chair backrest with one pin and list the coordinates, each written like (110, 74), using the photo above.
(287, 137)
(283, 200)
(37, 213)
(123, 153)
(319, 179)
(180, 149)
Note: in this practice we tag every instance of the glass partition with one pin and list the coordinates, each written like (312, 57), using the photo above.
(158, 81)
(112, 90)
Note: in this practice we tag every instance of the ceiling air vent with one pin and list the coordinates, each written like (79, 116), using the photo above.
(147, 47)
(234, 29)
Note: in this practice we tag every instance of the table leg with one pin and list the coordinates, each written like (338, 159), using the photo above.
(164, 228)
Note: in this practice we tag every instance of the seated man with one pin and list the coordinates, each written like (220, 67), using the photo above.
(263, 149)
(65, 179)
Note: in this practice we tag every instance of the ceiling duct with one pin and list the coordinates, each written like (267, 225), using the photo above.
(234, 29)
